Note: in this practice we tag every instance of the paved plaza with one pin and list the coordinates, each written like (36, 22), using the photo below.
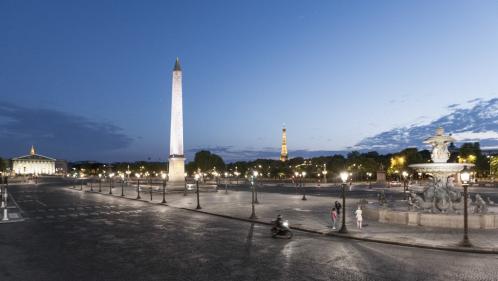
(73, 235)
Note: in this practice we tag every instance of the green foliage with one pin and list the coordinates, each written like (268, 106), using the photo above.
(207, 161)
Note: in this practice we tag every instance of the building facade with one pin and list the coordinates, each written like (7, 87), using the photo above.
(33, 164)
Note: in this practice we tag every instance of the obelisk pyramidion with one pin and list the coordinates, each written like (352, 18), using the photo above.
(176, 174)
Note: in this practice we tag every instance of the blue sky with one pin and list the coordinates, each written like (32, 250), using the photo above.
(334, 72)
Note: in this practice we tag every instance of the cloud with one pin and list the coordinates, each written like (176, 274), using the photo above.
(55, 133)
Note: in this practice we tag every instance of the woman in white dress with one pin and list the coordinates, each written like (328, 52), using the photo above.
(359, 217)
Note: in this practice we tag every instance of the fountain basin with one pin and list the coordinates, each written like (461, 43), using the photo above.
(412, 218)
(440, 168)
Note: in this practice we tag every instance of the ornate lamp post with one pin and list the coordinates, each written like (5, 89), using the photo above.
(253, 178)
(110, 182)
(122, 185)
(138, 185)
(369, 176)
(255, 174)
(344, 178)
(100, 182)
(226, 183)
(324, 173)
(303, 175)
(405, 183)
(163, 176)
(197, 176)
(465, 177)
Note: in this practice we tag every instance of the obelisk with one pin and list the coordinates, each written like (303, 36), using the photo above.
(283, 150)
(176, 173)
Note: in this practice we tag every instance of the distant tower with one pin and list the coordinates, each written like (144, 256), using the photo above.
(283, 151)
(33, 151)
(176, 173)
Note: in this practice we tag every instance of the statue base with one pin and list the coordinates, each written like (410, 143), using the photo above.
(176, 174)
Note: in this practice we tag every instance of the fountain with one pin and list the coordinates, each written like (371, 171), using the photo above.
(441, 195)
(441, 203)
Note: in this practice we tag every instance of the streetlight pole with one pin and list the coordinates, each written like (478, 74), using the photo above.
(344, 177)
(100, 182)
(197, 186)
(164, 188)
(138, 185)
(465, 176)
(110, 183)
(255, 185)
(304, 189)
(226, 183)
(122, 185)
(253, 214)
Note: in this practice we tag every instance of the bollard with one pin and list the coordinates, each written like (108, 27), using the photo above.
(5, 215)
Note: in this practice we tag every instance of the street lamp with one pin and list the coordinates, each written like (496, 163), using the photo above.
(405, 183)
(255, 174)
(304, 189)
(100, 182)
(197, 176)
(253, 178)
(110, 182)
(344, 178)
(122, 185)
(226, 183)
(163, 176)
(138, 185)
(325, 172)
(369, 176)
(465, 177)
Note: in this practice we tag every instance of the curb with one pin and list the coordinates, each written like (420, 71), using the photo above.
(332, 234)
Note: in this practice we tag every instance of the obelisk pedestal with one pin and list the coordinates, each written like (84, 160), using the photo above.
(176, 171)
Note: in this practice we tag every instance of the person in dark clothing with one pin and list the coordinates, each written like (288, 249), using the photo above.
(338, 207)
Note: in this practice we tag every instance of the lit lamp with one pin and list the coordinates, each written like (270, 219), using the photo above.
(226, 183)
(405, 183)
(163, 176)
(253, 179)
(344, 177)
(255, 174)
(100, 182)
(304, 189)
(369, 176)
(110, 182)
(137, 175)
(197, 176)
(122, 185)
(465, 177)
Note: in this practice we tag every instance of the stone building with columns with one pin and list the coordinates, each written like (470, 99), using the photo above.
(33, 164)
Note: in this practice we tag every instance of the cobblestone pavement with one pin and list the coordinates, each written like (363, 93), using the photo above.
(313, 214)
(73, 235)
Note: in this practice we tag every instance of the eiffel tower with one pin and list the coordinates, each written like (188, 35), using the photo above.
(283, 151)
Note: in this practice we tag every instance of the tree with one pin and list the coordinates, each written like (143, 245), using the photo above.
(206, 161)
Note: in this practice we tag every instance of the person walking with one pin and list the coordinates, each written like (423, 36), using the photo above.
(338, 207)
(359, 217)
(333, 216)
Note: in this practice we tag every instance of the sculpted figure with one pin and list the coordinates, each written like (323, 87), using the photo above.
(480, 205)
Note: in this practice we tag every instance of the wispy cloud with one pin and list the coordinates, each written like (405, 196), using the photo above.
(56, 133)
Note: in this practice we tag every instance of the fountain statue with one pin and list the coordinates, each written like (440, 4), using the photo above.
(440, 203)
(441, 195)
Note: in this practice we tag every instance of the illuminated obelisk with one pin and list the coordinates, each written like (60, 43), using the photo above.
(176, 173)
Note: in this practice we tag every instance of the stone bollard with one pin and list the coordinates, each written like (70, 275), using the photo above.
(5, 215)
